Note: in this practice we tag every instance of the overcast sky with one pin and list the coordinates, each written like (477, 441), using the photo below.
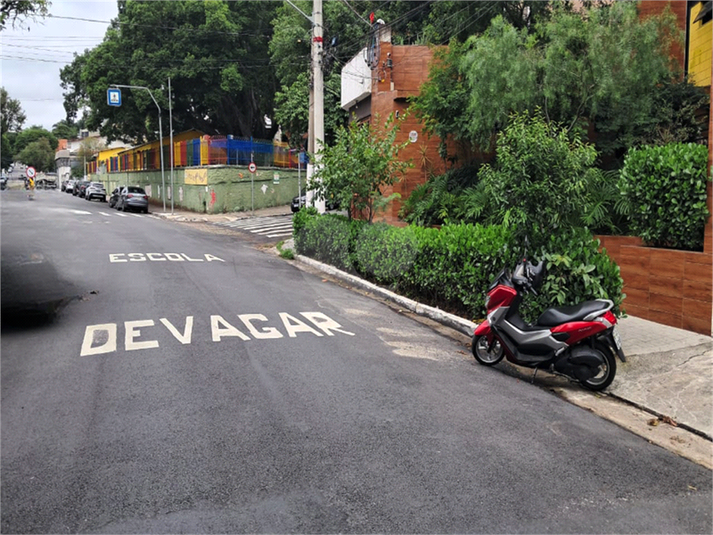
(32, 55)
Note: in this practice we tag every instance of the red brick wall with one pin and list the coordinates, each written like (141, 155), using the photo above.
(664, 285)
(391, 91)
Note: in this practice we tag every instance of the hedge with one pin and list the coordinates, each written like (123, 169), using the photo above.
(452, 267)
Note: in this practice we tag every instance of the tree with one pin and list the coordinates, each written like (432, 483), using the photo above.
(12, 116)
(6, 153)
(65, 130)
(34, 133)
(13, 11)
(543, 180)
(596, 67)
(358, 168)
(39, 154)
(214, 52)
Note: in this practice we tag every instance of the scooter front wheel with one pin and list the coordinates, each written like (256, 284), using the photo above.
(480, 348)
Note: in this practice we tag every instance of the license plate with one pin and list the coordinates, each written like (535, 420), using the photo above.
(617, 338)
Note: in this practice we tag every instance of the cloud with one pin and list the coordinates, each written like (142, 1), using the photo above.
(32, 55)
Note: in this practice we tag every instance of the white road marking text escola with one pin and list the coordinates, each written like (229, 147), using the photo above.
(102, 338)
(160, 257)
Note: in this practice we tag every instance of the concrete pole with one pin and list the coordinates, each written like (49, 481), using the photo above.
(170, 134)
(160, 148)
(317, 110)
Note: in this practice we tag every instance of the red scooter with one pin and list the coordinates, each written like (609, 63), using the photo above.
(578, 341)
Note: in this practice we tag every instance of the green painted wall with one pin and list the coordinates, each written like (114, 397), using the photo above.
(228, 188)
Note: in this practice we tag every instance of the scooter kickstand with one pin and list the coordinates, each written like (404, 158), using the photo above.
(532, 381)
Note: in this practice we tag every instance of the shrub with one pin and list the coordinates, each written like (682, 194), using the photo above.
(665, 189)
(576, 271)
(456, 264)
(385, 253)
(299, 221)
(543, 178)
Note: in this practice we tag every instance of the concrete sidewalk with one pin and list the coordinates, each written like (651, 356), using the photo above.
(668, 373)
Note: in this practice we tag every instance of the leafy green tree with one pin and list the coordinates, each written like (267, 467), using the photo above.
(39, 154)
(65, 130)
(596, 67)
(34, 133)
(11, 115)
(6, 153)
(358, 168)
(215, 52)
(14, 11)
(543, 180)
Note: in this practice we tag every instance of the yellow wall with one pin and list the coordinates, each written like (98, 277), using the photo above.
(699, 49)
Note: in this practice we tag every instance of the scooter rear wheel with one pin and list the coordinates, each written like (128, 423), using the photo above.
(606, 372)
(482, 355)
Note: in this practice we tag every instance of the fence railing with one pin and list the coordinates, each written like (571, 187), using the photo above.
(206, 150)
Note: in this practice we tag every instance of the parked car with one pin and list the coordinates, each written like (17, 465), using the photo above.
(3, 182)
(69, 187)
(114, 197)
(133, 198)
(95, 190)
(301, 200)
(82, 187)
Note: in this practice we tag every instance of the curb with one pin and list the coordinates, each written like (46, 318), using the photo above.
(436, 314)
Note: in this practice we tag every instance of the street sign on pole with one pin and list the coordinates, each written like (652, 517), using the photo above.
(30, 172)
(252, 167)
(113, 97)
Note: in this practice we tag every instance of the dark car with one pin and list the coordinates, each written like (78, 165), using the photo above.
(114, 197)
(133, 198)
(301, 200)
(95, 190)
(80, 187)
(3, 182)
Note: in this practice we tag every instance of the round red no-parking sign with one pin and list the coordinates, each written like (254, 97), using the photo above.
(30, 172)
(252, 167)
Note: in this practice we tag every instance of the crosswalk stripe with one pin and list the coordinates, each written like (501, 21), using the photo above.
(271, 229)
(105, 214)
(121, 215)
(280, 235)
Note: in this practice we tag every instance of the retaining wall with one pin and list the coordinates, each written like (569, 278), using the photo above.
(664, 285)
(214, 189)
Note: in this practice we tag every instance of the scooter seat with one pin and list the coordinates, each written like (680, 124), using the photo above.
(559, 315)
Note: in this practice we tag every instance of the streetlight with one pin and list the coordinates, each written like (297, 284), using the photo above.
(160, 136)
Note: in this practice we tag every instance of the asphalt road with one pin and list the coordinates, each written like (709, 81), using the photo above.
(157, 378)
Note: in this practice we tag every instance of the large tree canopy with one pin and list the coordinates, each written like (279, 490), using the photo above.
(215, 52)
(599, 66)
(15, 11)
(11, 115)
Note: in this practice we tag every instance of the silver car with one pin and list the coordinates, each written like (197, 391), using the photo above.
(133, 198)
(95, 190)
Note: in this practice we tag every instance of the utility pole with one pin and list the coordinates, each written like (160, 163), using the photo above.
(317, 101)
(170, 128)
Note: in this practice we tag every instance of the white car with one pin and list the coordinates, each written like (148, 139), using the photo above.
(95, 190)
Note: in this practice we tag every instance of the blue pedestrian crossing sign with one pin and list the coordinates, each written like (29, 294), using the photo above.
(113, 97)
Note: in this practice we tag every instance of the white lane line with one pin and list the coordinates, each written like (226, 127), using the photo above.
(105, 214)
(135, 215)
(121, 215)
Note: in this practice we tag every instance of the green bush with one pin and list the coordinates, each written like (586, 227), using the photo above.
(576, 271)
(456, 264)
(665, 190)
(452, 267)
(385, 253)
(299, 221)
